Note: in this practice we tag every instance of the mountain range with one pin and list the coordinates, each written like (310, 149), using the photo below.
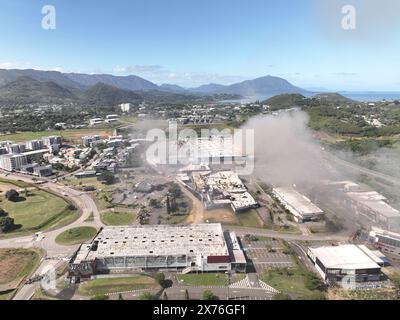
(36, 86)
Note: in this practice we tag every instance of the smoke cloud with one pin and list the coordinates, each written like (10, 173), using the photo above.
(286, 152)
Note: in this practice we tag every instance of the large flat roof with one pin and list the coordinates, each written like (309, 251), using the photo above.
(35, 152)
(296, 200)
(347, 256)
(376, 202)
(158, 240)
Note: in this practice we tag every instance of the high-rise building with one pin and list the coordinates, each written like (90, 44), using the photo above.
(125, 107)
(48, 141)
(34, 144)
(13, 148)
(12, 162)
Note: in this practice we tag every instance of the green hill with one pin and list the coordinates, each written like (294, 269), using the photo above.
(332, 98)
(285, 101)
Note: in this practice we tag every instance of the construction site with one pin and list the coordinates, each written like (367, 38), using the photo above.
(220, 189)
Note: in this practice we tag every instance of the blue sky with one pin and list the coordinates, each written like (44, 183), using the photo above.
(193, 42)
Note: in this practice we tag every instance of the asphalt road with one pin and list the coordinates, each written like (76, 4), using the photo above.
(196, 293)
(332, 158)
(87, 206)
(242, 231)
(46, 240)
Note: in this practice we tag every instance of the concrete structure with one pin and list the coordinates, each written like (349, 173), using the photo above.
(85, 174)
(185, 248)
(215, 150)
(347, 265)
(43, 171)
(34, 145)
(299, 206)
(237, 256)
(369, 205)
(12, 162)
(221, 189)
(29, 168)
(88, 140)
(115, 143)
(35, 154)
(95, 121)
(374, 206)
(22, 147)
(48, 141)
(13, 148)
(54, 148)
(385, 241)
(125, 107)
(111, 118)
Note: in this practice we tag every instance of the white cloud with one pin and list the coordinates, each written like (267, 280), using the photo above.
(27, 65)
(140, 69)
(8, 65)
(160, 74)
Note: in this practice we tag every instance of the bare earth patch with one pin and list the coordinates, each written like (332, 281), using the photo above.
(15, 264)
(224, 216)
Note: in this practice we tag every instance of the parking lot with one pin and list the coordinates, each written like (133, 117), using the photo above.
(267, 254)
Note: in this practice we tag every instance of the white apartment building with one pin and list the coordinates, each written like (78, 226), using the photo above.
(12, 162)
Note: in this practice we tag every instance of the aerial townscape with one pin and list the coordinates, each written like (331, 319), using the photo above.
(115, 187)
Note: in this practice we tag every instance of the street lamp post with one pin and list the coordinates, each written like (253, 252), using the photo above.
(228, 283)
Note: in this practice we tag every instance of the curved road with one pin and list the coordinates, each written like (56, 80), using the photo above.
(46, 240)
(54, 252)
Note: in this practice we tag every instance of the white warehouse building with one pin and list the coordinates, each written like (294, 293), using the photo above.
(192, 248)
(347, 265)
(298, 205)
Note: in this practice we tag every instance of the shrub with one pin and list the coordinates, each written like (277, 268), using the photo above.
(147, 296)
(12, 195)
(209, 295)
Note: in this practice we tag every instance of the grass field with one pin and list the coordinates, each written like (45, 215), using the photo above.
(111, 285)
(76, 235)
(250, 219)
(297, 282)
(104, 198)
(204, 279)
(17, 183)
(73, 135)
(16, 264)
(118, 218)
(37, 210)
(6, 295)
(74, 182)
(40, 294)
(176, 219)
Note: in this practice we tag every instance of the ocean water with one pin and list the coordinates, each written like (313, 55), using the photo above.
(372, 96)
(357, 96)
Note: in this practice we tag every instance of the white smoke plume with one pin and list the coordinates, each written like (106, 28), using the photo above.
(286, 152)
